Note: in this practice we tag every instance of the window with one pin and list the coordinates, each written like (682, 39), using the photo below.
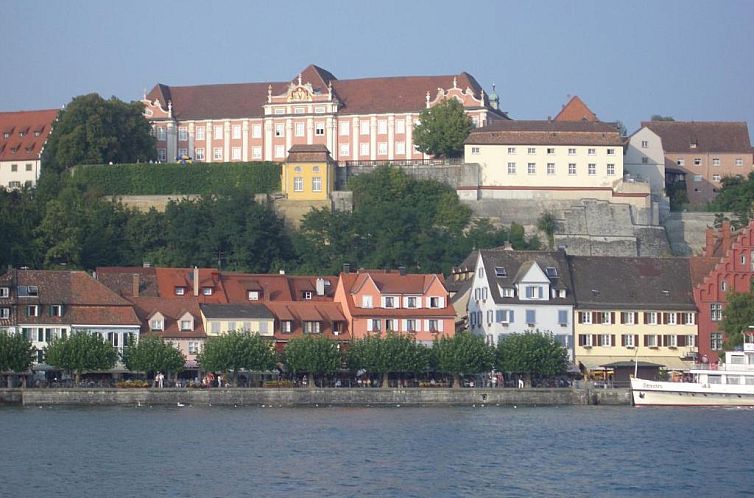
(628, 317)
(605, 340)
(279, 130)
(610, 169)
(319, 129)
(644, 144)
(160, 133)
(532, 168)
(715, 178)
(610, 152)
(434, 302)
(28, 166)
(391, 325)
(32, 310)
(650, 317)
(411, 302)
(563, 317)
(434, 325)
(650, 341)
(585, 317)
(534, 292)
(591, 152)
(531, 317)
(232, 326)
(671, 341)
(531, 150)
(500, 271)
(317, 184)
(256, 153)
(366, 301)
(193, 347)
(645, 160)
(253, 295)
(200, 132)
(286, 326)
(344, 128)
(182, 152)
(715, 161)
(182, 133)
(364, 149)
(364, 127)
(508, 292)
(697, 161)
(382, 126)
(739, 162)
(628, 340)
(256, 131)
(550, 168)
(236, 132)
(400, 126)
(411, 325)
(162, 155)
(4, 292)
(299, 129)
(236, 153)
(156, 324)
(199, 154)
(571, 152)
(218, 133)
(511, 168)
(206, 291)
(475, 150)
(504, 316)
(4, 313)
(550, 151)
(217, 153)
(592, 169)
(697, 178)
(307, 295)
(56, 310)
(511, 150)
(298, 184)
(344, 150)
(716, 341)
(716, 312)
(571, 169)
(400, 148)
(382, 148)
(280, 151)
(585, 340)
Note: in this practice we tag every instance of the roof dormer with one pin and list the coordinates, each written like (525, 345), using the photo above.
(157, 322)
(186, 322)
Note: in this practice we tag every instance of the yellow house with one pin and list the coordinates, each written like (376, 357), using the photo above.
(219, 319)
(308, 174)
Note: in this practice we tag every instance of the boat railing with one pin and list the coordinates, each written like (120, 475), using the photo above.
(724, 367)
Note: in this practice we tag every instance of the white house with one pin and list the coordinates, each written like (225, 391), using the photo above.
(520, 291)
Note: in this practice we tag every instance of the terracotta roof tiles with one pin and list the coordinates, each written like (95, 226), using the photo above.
(545, 133)
(576, 110)
(706, 136)
(27, 132)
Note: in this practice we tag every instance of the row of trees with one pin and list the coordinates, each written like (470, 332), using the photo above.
(464, 354)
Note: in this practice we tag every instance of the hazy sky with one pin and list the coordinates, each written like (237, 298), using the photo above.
(627, 60)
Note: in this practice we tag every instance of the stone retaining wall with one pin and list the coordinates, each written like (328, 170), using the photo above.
(317, 397)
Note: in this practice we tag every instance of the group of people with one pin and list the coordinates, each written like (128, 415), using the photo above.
(210, 380)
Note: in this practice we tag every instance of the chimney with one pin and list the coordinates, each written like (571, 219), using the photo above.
(135, 285)
(346, 268)
(320, 286)
(282, 272)
(196, 281)
(402, 270)
(726, 235)
(709, 242)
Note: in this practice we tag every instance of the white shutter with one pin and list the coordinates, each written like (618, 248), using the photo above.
(369, 325)
(404, 325)
(383, 300)
(439, 324)
(426, 325)
(441, 300)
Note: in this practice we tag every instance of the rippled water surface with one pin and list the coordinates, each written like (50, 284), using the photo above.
(491, 451)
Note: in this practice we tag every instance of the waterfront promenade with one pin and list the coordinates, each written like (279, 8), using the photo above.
(316, 397)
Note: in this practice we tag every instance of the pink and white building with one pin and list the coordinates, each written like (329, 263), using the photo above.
(370, 119)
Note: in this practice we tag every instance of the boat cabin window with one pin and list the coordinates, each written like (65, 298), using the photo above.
(737, 359)
(714, 379)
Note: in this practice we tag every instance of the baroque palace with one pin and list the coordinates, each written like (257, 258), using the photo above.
(370, 119)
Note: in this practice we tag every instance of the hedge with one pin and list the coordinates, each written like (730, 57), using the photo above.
(174, 178)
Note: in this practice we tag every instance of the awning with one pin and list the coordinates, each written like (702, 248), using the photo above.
(668, 362)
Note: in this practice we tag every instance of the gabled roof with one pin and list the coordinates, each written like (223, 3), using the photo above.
(27, 133)
(709, 136)
(507, 132)
(303, 153)
(236, 311)
(576, 110)
(172, 309)
(63, 287)
(517, 264)
(120, 279)
(391, 282)
(632, 283)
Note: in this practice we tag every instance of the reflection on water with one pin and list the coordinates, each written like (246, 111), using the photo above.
(491, 451)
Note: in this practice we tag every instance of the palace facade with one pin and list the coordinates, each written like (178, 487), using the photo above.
(370, 119)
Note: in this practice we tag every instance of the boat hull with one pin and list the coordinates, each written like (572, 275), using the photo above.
(656, 393)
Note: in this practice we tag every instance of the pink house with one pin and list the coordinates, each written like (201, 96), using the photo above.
(381, 302)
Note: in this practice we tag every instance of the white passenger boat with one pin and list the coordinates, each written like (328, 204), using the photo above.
(725, 384)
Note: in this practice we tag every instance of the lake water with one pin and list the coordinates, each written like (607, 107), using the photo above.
(437, 452)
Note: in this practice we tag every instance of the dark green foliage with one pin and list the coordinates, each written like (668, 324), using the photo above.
(172, 178)
(81, 352)
(532, 353)
(463, 354)
(679, 198)
(548, 224)
(658, 117)
(234, 351)
(152, 354)
(316, 356)
(736, 195)
(16, 352)
(443, 129)
(92, 130)
(391, 354)
(738, 316)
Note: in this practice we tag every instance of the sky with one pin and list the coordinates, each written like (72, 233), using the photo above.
(693, 60)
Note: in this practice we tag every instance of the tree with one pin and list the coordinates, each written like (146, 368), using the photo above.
(442, 129)
(547, 223)
(316, 356)
(152, 354)
(736, 195)
(659, 117)
(463, 354)
(92, 130)
(392, 354)
(532, 353)
(16, 353)
(235, 351)
(738, 316)
(81, 352)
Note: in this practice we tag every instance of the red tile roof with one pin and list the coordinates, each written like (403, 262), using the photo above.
(576, 110)
(357, 96)
(546, 133)
(709, 136)
(172, 309)
(26, 131)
